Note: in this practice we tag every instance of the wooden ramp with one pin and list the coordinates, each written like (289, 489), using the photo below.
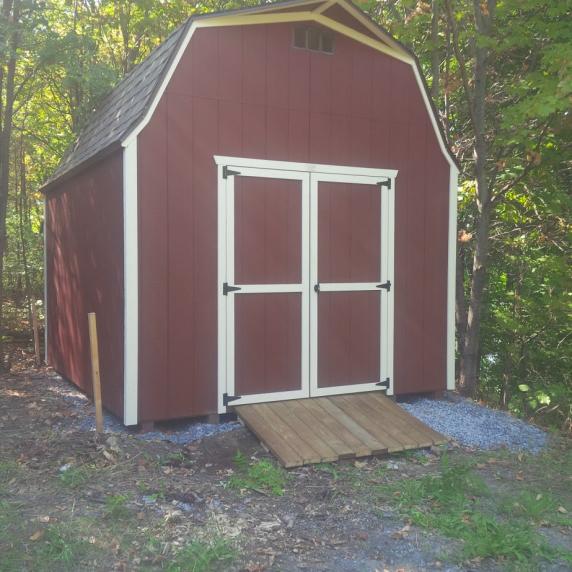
(324, 429)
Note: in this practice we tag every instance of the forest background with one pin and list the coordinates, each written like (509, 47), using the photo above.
(500, 73)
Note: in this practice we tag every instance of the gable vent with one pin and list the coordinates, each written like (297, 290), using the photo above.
(315, 39)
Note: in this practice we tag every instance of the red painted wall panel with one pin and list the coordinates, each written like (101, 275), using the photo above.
(84, 254)
(245, 91)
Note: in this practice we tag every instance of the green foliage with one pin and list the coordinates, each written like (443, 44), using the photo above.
(202, 556)
(453, 502)
(116, 507)
(75, 477)
(541, 508)
(328, 468)
(263, 475)
(8, 471)
(62, 548)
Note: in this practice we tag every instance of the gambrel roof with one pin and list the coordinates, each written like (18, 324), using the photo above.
(127, 109)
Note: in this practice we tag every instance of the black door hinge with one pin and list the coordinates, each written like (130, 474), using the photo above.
(386, 183)
(226, 288)
(385, 285)
(383, 383)
(317, 288)
(226, 398)
(226, 172)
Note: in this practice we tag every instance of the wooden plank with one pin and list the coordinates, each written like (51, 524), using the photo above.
(339, 438)
(400, 422)
(370, 443)
(385, 422)
(280, 424)
(352, 408)
(269, 428)
(435, 436)
(94, 348)
(304, 432)
(357, 448)
(324, 429)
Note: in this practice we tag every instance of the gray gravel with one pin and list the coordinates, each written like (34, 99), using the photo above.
(83, 419)
(463, 420)
(474, 425)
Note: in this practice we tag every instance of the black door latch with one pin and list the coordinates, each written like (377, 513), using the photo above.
(226, 288)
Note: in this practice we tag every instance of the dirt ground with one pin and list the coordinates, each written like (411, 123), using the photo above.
(70, 500)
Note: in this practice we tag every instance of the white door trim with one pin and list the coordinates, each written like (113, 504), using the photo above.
(386, 271)
(310, 175)
(238, 162)
(226, 332)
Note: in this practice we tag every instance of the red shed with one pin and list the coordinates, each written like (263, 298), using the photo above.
(263, 209)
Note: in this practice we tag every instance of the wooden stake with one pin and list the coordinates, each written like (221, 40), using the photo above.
(95, 371)
(36, 334)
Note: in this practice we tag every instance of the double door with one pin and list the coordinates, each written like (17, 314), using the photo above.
(305, 280)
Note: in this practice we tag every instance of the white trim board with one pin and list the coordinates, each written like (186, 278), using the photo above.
(45, 280)
(338, 170)
(130, 286)
(452, 277)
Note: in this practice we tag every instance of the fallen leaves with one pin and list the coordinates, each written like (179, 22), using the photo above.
(37, 535)
(401, 533)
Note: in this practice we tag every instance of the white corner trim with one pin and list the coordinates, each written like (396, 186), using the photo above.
(45, 279)
(130, 285)
(451, 276)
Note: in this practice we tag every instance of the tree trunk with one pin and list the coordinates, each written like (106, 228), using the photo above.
(23, 220)
(10, 15)
(470, 356)
(435, 55)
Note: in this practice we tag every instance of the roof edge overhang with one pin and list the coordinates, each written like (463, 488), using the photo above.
(77, 169)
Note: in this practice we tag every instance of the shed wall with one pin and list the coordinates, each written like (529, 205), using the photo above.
(84, 254)
(246, 92)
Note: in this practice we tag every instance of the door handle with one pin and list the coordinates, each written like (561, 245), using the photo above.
(317, 288)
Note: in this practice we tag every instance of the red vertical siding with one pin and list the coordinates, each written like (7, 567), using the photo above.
(247, 92)
(84, 253)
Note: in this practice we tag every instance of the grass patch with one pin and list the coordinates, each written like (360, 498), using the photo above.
(8, 471)
(116, 507)
(262, 476)
(75, 477)
(202, 556)
(540, 508)
(10, 552)
(451, 502)
(328, 468)
(61, 545)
